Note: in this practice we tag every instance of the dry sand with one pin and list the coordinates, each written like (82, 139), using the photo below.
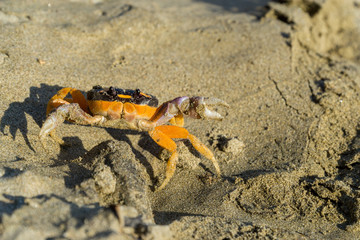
(288, 147)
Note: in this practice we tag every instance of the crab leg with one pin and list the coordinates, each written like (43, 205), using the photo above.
(60, 108)
(163, 135)
(59, 99)
(71, 112)
(166, 142)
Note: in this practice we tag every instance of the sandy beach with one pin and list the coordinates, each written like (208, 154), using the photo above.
(288, 146)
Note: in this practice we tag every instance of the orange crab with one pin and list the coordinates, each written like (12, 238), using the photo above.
(133, 109)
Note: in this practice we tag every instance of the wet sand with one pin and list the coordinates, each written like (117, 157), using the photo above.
(288, 147)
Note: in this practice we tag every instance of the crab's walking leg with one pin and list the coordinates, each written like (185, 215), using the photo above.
(163, 135)
(56, 118)
(59, 99)
(166, 142)
(71, 112)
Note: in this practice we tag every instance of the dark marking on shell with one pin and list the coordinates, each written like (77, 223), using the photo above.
(111, 94)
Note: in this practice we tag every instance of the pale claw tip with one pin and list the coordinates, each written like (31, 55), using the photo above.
(209, 114)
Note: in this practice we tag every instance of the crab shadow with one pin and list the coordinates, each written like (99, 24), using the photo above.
(145, 143)
(14, 117)
(70, 151)
(74, 149)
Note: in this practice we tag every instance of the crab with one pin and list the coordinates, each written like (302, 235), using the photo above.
(133, 109)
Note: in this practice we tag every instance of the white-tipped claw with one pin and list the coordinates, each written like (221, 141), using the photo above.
(208, 114)
(201, 107)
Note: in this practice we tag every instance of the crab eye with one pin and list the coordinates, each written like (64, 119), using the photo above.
(112, 91)
(97, 87)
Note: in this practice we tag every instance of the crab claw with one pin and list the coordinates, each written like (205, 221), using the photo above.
(195, 107)
(201, 107)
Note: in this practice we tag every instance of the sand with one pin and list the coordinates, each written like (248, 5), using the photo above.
(288, 147)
